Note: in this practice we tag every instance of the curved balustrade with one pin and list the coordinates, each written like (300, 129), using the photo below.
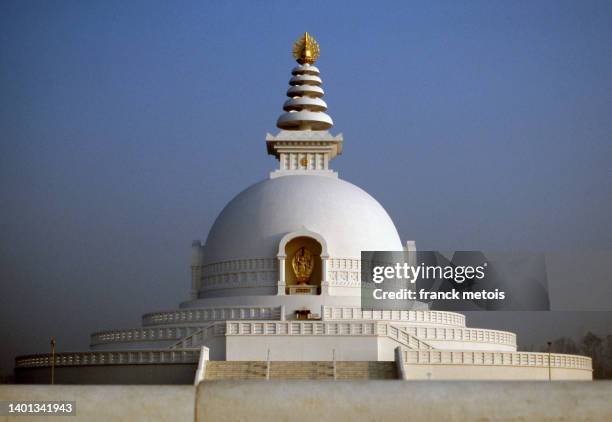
(195, 315)
(431, 317)
(140, 357)
(149, 334)
(404, 335)
(417, 336)
(473, 335)
(443, 357)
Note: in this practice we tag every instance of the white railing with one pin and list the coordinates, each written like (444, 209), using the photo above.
(447, 357)
(196, 339)
(306, 328)
(195, 315)
(149, 334)
(136, 357)
(401, 336)
(419, 333)
(356, 313)
(474, 335)
(324, 328)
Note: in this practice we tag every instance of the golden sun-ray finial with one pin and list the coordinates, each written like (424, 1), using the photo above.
(306, 50)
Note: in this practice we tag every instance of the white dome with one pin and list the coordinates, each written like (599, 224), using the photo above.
(347, 217)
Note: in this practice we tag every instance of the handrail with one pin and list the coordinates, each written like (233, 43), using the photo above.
(476, 335)
(402, 336)
(297, 327)
(136, 357)
(423, 333)
(355, 328)
(324, 328)
(479, 357)
(147, 334)
(187, 341)
(415, 316)
(195, 315)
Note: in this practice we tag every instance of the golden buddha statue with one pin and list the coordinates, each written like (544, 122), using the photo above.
(302, 264)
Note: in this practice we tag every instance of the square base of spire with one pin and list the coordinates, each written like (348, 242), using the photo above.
(304, 152)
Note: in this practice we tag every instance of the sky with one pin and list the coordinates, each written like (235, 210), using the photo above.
(126, 126)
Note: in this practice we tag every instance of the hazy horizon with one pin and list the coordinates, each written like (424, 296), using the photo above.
(127, 126)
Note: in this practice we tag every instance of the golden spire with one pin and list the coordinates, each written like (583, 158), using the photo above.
(306, 49)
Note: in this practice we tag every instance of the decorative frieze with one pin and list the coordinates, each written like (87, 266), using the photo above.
(256, 272)
(264, 272)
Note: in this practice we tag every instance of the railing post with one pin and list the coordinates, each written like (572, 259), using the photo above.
(549, 363)
(52, 360)
(334, 364)
(268, 366)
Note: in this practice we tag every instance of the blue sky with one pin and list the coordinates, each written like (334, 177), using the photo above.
(125, 127)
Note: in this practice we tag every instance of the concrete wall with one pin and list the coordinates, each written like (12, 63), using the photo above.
(308, 348)
(386, 348)
(102, 403)
(330, 401)
(401, 401)
(469, 345)
(110, 374)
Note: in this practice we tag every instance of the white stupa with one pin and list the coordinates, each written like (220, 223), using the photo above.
(278, 282)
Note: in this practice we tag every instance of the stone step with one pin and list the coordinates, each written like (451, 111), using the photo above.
(217, 370)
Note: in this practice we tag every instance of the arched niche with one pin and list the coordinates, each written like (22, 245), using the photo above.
(294, 246)
(306, 249)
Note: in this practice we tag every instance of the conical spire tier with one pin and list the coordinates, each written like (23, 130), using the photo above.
(304, 145)
(305, 110)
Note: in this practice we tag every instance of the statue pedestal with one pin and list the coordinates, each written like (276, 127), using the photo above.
(302, 289)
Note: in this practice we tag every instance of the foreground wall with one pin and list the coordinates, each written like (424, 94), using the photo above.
(99, 403)
(330, 401)
(401, 401)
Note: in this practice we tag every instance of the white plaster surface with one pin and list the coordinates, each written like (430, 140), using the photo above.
(253, 223)
(329, 401)
(493, 373)
(405, 400)
(305, 348)
(102, 403)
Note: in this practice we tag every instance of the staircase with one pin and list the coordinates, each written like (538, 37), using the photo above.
(403, 337)
(366, 370)
(287, 370)
(235, 370)
(195, 339)
(298, 370)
